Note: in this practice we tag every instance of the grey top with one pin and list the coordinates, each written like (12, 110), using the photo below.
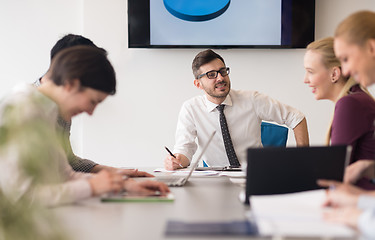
(77, 163)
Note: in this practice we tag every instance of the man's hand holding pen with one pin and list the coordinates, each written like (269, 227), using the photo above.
(173, 161)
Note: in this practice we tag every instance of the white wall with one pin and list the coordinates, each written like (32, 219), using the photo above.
(131, 128)
(28, 31)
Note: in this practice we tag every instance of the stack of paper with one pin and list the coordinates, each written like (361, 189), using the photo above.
(295, 215)
(185, 171)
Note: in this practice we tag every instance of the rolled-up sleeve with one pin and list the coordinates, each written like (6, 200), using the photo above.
(270, 109)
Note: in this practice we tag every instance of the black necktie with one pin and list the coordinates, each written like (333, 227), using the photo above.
(227, 140)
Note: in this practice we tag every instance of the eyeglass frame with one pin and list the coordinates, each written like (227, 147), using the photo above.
(227, 71)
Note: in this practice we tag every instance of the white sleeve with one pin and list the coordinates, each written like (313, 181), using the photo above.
(75, 185)
(74, 188)
(186, 134)
(15, 184)
(64, 193)
(366, 224)
(270, 109)
(366, 202)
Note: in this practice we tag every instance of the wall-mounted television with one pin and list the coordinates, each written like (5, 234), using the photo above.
(220, 23)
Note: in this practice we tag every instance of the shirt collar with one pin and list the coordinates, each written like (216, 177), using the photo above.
(212, 106)
(37, 83)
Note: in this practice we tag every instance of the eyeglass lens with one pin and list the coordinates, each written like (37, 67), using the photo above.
(213, 74)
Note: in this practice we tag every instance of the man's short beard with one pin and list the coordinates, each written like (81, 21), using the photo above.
(223, 95)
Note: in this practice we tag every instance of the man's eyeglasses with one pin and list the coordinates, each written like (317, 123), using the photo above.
(213, 74)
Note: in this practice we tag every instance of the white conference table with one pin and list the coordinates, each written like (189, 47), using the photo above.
(201, 199)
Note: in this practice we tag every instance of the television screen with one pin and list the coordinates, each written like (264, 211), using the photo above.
(220, 23)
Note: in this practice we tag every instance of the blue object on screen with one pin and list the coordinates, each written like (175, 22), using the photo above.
(196, 10)
(273, 135)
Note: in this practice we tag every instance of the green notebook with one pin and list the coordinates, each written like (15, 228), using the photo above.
(125, 197)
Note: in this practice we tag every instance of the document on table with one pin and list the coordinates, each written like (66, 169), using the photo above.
(294, 215)
(233, 174)
(185, 172)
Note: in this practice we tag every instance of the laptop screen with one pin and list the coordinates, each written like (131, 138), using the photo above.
(195, 164)
(286, 170)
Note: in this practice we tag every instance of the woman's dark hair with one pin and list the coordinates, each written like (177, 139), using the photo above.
(87, 64)
(203, 58)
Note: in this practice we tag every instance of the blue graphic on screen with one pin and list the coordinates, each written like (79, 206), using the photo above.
(240, 22)
(196, 10)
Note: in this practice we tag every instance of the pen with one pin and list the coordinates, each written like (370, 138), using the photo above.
(172, 155)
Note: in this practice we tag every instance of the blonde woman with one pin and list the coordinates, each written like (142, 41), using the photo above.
(352, 122)
(354, 46)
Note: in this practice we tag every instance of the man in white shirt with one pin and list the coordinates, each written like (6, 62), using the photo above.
(243, 110)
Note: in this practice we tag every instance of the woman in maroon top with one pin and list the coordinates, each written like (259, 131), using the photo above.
(354, 115)
(353, 123)
(354, 46)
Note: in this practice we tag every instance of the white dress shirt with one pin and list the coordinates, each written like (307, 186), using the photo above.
(29, 118)
(244, 112)
(366, 221)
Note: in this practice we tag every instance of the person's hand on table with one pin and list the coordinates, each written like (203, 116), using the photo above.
(340, 194)
(345, 215)
(359, 169)
(124, 172)
(106, 181)
(146, 187)
(134, 173)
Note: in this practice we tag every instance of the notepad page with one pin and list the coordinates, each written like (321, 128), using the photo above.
(295, 215)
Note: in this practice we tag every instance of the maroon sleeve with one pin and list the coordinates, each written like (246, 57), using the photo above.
(349, 121)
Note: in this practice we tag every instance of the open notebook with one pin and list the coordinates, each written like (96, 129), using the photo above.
(295, 216)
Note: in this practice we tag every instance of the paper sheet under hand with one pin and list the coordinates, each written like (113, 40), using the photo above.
(295, 215)
(185, 172)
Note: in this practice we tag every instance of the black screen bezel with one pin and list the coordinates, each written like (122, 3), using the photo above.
(298, 26)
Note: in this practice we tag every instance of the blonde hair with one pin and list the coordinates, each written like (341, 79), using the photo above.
(357, 28)
(325, 48)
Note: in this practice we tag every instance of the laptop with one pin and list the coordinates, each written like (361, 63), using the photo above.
(178, 181)
(278, 170)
